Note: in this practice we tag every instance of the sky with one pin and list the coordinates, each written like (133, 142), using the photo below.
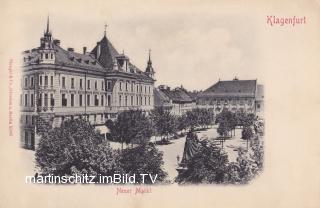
(191, 45)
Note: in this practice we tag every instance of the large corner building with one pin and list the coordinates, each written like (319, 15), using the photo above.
(95, 85)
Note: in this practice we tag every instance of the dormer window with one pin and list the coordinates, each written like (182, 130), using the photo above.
(79, 60)
(71, 58)
(46, 56)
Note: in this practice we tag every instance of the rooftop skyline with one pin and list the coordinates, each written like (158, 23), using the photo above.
(192, 51)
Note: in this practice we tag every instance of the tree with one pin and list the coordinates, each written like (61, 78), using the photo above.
(131, 126)
(76, 147)
(208, 165)
(164, 122)
(247, 134)
(144, 158)
(181, 123)
(227, 123)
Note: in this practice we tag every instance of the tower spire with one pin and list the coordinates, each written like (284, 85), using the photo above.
(47, 25)
(149, 69)
(105, 29)
(149, 61)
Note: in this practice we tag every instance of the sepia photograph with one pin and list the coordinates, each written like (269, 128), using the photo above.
(156, 104)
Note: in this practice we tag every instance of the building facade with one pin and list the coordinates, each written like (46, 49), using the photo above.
(234, 95)
(60, 84)
(177, 100)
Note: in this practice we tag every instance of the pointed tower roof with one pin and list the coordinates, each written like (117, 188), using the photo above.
(105, 53)
(47, 25)
(149, 69)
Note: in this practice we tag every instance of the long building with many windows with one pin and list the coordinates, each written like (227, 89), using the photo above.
(62, 84)
(234, 95)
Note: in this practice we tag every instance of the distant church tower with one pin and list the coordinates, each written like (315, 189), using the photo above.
(47, 53)
(149, 70)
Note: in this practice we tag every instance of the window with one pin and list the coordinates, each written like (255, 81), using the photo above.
(137, 88)
(26, 100)
(145, 89)
(72, 100)
(88, 84)
(102, 85)
(51, 56)
(27, 119)
(132, 87)
(149, 101)
(88, 100)
(72, 83)
(40, 100)
(32, 82)
(102, 100)
(32, 120)
(63, 82)
(101, 117)
(47, 56)
(32, 100)
(131, 100)
(119, 100)
(149, 89)
(126, 100)
(51, 81)
(95, 85)
(140, 100)
(109, 100)
(45, 99)
(80, 84)
(80, 100)
(137, 102)
(120, 86)
(40, 80)
(126, 86)
(45, 80)
(64, 100)
(26, 139)
(109, 85)
(96, 100)
(51, 100)
(26, 81)
(145, 100)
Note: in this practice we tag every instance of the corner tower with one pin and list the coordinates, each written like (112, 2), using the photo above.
(149, 70)
(46, 50)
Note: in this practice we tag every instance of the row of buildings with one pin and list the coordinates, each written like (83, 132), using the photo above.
(233, 95)
(96, 85)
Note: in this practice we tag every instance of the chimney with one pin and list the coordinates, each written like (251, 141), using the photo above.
(84, 50)
(70, 49)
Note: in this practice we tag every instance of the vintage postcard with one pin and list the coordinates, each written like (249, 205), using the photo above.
(160, 104)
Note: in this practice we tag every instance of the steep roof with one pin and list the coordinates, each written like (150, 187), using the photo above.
(178, 95)
(65, 58)
(105, 62)
(234, 88)
(107, 54)
(160, 98)
(71, 58)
